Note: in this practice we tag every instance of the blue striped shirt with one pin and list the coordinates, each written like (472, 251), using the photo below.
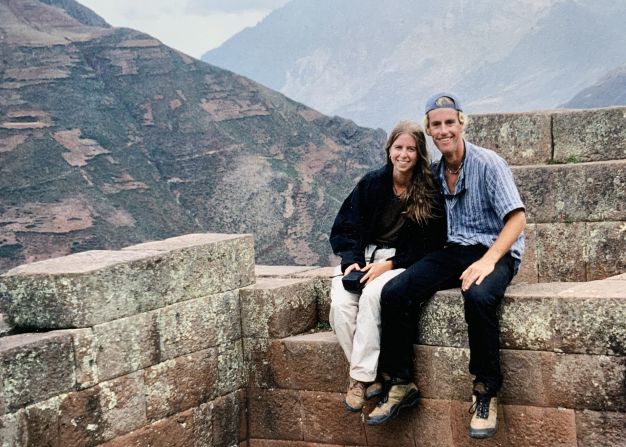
(485, 193)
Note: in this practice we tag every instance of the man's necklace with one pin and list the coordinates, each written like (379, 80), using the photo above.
(456, 171)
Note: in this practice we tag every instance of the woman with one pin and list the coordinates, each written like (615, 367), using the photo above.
(392, 218)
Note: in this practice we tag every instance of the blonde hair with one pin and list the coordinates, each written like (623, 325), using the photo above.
(421, 202)
(463, 119)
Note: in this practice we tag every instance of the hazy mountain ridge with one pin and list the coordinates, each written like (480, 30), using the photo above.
(377, 65)
(610, 90)
(109, 138)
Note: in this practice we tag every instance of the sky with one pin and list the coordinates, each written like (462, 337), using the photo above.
(191, 26)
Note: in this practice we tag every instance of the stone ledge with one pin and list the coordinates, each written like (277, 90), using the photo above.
(89, 288)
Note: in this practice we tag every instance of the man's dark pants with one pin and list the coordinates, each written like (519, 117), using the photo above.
(440, 270)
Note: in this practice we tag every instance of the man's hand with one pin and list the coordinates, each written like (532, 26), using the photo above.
(476, 272)
(354, 266)
(376, 269)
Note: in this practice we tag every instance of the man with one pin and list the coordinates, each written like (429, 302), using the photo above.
(485, 243)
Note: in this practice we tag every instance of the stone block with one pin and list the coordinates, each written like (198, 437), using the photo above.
(37, 425)
(81, 418)
(605, 191)
(197, 324)
(325, 420)
(397, 432)
(221, 422)
(433, 423)
(606, 429)
(590, 135)
(276, 307)
(94, 287)
(85, 352)
(442, 373)
(309, 362)
(560, 255)
(528, 321)
(275, 414)
(525, 380)
(593, 382)
(605, 249)
(279, 443)
(553, 193)
(175, 431)
(259, 371)
(34, 367)
(231, 368)
(442, 320)
(528, 272)
(519, 138)
(181, 383)
(280, 270)
(126, 345)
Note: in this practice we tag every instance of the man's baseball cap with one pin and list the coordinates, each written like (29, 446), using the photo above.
(443, 100)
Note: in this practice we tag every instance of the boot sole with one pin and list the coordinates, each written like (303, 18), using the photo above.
(409, 400)
(352, 409)
(483, 433)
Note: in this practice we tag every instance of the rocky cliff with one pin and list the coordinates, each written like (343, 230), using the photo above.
(108, 137)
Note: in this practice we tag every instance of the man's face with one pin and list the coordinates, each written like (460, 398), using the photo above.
(446, 130)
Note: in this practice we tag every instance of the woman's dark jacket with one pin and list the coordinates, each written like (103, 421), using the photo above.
(356, 224)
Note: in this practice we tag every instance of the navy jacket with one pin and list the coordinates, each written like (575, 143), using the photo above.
(357, 221)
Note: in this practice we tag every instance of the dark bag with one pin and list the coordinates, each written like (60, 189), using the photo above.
(351, 281)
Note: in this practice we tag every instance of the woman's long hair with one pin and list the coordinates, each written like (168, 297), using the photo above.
(421, 201)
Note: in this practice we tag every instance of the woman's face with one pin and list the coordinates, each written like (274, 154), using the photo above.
(403, 154)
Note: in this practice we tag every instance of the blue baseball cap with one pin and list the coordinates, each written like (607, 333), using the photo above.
(443, 100)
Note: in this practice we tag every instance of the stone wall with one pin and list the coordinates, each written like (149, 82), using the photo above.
(570, 168)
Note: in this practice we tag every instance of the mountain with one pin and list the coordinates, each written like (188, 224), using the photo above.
(109, 138)
(377, 64)
(610, 90)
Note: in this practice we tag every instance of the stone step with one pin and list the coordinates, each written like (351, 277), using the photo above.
(535, 378)
(95, 287)
(279, 418)
(556, 136)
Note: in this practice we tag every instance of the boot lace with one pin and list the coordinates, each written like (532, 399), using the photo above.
(481, 406)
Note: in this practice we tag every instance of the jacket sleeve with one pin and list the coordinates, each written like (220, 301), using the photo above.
(346, 235)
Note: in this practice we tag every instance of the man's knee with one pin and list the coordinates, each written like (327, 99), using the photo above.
(483, 295)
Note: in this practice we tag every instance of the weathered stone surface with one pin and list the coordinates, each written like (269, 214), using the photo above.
(221, 422)
(34, 367)
(442, 320)
(325, 419)
(81, 418)
(5, 326)
(280, 270)
(276, 307)
(590, 135)
(256, 358)
(198, 324)
(605, 249)
(84, 357)
(309, 362)
(39, 424)
(525, 380)
(278, 443)
(125, 345)
(275, 414)
(231, 368)
(93, 287)
(519, 138)
(528, 272)
(605, 429)
(123, 402)
(181, 383)
(441, 373)
(605, 191)
(176, 431)
(553, 193)
(433, 423)
(560, 255)
(594, 382)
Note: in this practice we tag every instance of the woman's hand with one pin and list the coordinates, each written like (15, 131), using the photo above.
(374, 270)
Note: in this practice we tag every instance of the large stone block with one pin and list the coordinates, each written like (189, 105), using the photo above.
(34, 367)
(309, 362)
(35, 425)
(325, 419)
(606, 429)
(560, 255)
(441, 373)
(529, 270)
(605, 249)
(221, 422)
(275, 414)
(231, 367)
(181, 383)
(590, 135)
(277, 307)
(519, 138)
(176, 431)
(94, 287)
(197, 324)
(125, 345)
(256, 354)
(85, 352)
(553, 193)
(605, 191)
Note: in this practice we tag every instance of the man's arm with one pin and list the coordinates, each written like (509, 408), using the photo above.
(515, 222)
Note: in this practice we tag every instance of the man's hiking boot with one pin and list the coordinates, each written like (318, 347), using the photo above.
(485, 413)
(373, 390)
(397, 396)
